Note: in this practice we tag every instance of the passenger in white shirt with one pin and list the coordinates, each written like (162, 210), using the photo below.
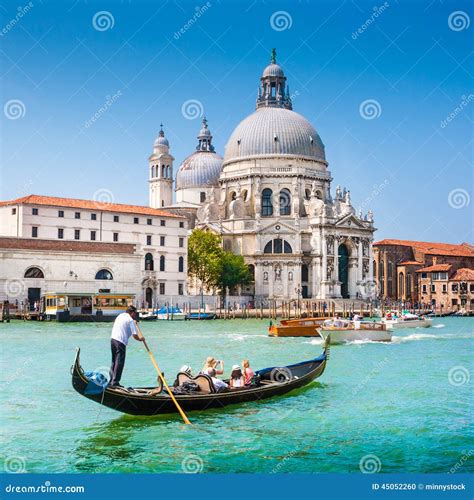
(124, 328)
(219, 384)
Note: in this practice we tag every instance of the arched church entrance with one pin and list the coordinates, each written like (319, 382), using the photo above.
(149, 298)
(343, 256)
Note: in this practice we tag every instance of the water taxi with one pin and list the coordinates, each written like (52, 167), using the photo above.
(342, 331)
(406, 320)
(303, 327)
(170, 313)
(77, 306)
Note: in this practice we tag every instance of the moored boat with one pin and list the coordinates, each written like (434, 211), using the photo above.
(342, 331)
(303, 327)
(170, 313)
(147, 316)
(406, 320)
(272, 381)
(201, 315)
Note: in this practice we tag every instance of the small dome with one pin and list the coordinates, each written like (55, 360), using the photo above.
(274, 132)
(201, 169)
(273, 69)
(161, 140)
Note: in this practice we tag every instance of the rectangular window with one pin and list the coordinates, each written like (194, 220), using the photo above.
(34, 211)
(148, 221)
(424, 275)
(423, 289)
(116, 218)
(77, 234)
(181, 224)
(92, 235)
(202, 196)
(60, 213)
(34, 232)
(93, 216)
(181, 242)
(148, 240)
(13, 211)
(162, 241)
(60, 233)
(180, 289)
(433, 288)
(471, 288)
(162, 223)
(77, 215)
(445, 288)
(115, 236)
(454, 287)
(136, 220)
(162, 288)
(454, 302)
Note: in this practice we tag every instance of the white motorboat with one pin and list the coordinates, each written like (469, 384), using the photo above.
(147, 316)
(407, 320)
(170, 313)
(343, 331)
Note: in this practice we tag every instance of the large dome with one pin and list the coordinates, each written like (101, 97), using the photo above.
(201, 169)
(274, 131)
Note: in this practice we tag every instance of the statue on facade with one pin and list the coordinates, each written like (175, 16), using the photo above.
(277, 273)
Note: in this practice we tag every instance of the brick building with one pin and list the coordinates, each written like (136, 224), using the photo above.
(402, 268)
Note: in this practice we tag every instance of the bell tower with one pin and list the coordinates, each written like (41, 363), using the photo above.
(161, 173)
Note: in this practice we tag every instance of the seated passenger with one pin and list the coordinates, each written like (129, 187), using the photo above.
(184, 369)
(219, 384)
(247, 372)
(213, 363)
(236, 378)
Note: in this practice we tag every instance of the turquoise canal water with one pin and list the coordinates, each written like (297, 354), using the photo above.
(404, 406)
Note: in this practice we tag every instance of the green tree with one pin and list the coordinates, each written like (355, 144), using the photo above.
(234, 271)
(204, 257)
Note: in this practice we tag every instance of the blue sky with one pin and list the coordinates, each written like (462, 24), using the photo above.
(414, 59)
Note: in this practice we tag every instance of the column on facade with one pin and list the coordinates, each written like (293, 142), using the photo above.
(324, 253)
(359, 261)
(385, 275)
(370, 275)
(258, 279)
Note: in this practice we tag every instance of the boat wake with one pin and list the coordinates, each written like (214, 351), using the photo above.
(413, 336)
(438, 326)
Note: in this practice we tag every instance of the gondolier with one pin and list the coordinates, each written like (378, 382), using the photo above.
(124, 328)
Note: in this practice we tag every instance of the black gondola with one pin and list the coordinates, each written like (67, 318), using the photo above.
(273, 381)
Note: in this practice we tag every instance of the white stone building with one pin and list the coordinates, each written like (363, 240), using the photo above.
(271, 202)
(50, 244)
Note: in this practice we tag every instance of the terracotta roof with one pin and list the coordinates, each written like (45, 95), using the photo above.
(461, 250)
(410, 263)
(435, 268)
(66, 246)
(463, 274)
(34, 199)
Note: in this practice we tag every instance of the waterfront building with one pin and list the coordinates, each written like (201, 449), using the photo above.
(51, 244)
(270, 200)
(409, 270)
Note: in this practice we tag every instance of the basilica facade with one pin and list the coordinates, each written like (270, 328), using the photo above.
(270, 199)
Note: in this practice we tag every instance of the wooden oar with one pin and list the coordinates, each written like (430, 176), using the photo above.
(160, 375)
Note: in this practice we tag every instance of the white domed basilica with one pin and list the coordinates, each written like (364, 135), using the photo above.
(270, 199)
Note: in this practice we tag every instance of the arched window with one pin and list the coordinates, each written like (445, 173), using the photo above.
(304, 273)
(104, 274)
(149, 264)
(267, 204)
(277, 246)
(252, 271)
(401, 284)
(152, 171)
(180, 265)
(285, 202)
(319, 195)
(34, 272)
(163, 171)
(307, 193)
(162, 263)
